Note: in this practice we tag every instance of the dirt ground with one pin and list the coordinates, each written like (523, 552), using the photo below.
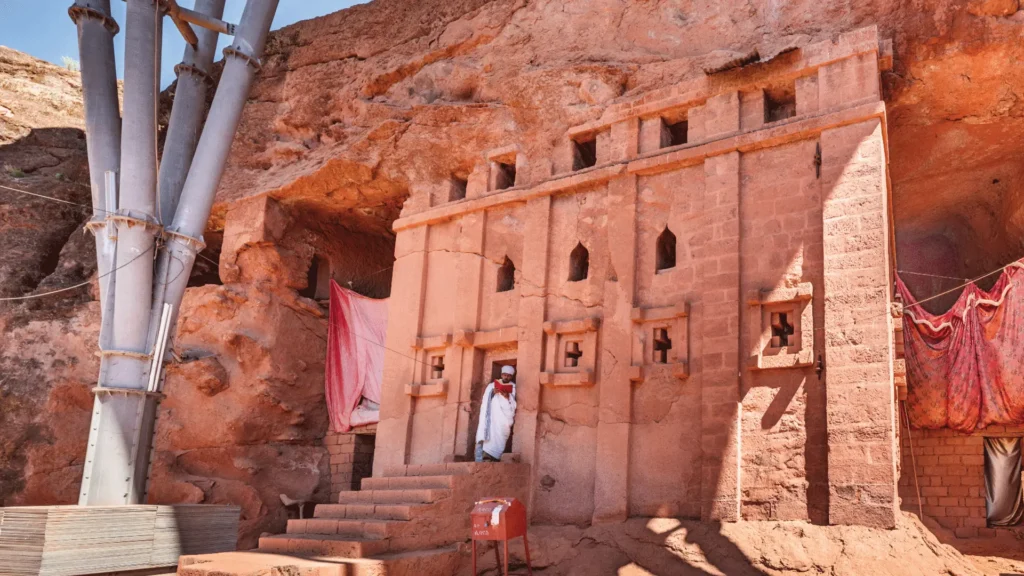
(642, 547)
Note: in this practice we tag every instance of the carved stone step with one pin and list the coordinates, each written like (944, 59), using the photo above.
(408, 482)
(418, 496)
(322, 545)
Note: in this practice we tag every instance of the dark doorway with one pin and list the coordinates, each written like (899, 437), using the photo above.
(362, 460)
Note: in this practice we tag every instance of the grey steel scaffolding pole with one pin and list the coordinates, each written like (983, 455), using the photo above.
(117, 457)
(187, 111)
(183, 130)
(124, 414)
(184, 235)
(96, 31)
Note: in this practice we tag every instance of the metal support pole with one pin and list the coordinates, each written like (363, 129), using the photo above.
(187, 112)
(184, 236)
(124, 415)
(96, 31)
(117, 458)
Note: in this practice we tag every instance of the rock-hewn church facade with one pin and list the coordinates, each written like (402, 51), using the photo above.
(695, 290)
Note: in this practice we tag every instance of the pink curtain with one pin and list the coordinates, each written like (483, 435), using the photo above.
(355, 355)
(964, 367)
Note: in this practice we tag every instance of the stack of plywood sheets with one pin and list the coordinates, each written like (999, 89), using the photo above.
(193, 529)
(74, 540)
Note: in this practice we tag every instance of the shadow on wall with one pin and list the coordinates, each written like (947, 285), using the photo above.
(787, 416)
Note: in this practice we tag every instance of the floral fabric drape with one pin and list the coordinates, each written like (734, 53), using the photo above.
(964, 367)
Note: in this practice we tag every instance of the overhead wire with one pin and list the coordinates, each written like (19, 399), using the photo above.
(914, 304)
(76, 286)
(215, 263)
(929, 275)
(43, 196)
(54, 199)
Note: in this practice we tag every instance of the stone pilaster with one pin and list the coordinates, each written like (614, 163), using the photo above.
(404, 321)
(458, 359)
(537, 216)
(858, 338)
(719, 271)
(611, 488)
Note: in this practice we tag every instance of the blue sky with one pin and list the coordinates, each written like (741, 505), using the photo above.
(42, 27)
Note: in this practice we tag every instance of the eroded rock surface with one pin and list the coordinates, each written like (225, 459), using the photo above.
(369, 104)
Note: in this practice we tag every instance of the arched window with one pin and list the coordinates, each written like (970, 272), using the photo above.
(579, 263)
(506, 275)
(666, 250)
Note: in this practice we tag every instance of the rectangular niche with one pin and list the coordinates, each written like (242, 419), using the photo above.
(571, 352)
(457, 188)
(660, 339)
(675, 128)
(584, 152)
(781, 327)
(429, 374)
(779, 102)
(504, 168)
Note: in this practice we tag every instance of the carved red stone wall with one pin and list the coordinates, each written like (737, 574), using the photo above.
(752, 379)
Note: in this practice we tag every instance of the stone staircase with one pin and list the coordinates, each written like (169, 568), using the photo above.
(411, 521)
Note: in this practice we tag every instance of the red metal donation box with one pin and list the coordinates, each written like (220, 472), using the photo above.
(499, 519)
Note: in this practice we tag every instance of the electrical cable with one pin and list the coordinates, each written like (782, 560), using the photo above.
(86, 283)
(929, 275)
(918, 303)
(940, 294)
(51, 198)
(215, 263)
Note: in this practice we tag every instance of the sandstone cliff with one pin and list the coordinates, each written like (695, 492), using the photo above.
(362, 107)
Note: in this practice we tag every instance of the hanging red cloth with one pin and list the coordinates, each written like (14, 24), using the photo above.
(355, 356)
(964, 367)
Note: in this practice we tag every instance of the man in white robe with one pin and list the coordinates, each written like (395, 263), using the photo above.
(497, 413)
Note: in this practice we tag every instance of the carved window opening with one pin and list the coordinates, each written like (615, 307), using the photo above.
(782, 329)
(436, 367)
(675, 133)
(318, 279)
(780, 102)
(579, 263)
(584, 153)
(505, 175)
(506, 276)
(572, 354)
(662, 345)
(458, 189)
(665, 250)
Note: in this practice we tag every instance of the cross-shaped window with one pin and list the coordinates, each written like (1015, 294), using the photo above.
(782, 329)
(572, 354)
(662, 344)
(436, 367)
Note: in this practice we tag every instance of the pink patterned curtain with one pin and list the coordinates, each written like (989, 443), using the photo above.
(964, 367)
(355, 355)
